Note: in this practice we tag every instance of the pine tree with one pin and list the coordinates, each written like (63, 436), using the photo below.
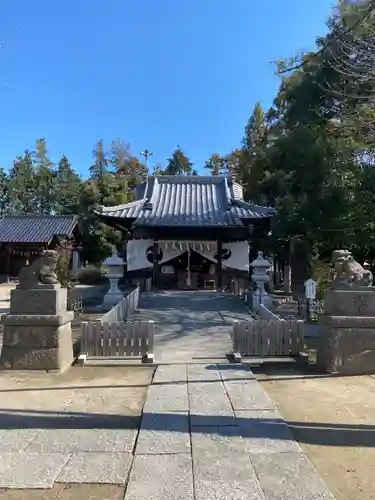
(4, 192)
(232, 164)
(215, 164)
(179, 164)
(252, 163)
(129, 170)
(45, 178)
(69, 188)
(22, 186)
(255, 130)
(99, 169)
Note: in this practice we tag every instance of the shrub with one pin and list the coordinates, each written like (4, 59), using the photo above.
(91, 275)
(323, 277)
(62, 270)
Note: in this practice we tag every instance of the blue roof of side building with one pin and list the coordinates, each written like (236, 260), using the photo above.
(188, 201)
(35, 228)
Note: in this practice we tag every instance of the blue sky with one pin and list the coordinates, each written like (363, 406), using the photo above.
(156, 73)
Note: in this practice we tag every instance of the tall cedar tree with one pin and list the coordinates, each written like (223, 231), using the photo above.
(45, 179)
(4, 192)
(22, 186)
(69, 188)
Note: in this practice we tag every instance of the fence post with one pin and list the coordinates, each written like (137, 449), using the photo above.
(149, 357)
(236, 353)
(84, 334)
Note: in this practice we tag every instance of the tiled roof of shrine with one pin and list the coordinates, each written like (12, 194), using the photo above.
(188, 201)
(35, 228)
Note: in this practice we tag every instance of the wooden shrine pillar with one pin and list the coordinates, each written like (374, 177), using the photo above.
(219, 264)
(155, 252)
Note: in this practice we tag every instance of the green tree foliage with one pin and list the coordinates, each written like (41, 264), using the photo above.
(128, 169)
(44, 178)
(34, 186)
(99, 169)
(22, 186)
(4, 192)
(215, 164)
(179, 164)
(69, 187)
(305, 157)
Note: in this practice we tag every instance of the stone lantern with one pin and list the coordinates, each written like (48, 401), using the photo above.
(114, 272)
(260, 268)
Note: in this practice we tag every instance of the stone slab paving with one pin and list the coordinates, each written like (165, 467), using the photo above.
(191, 324)
(14, 440)
(209, 404)
(31, 470)
(107, 468)
(238, 447)
(222, 467)
(83, 440)
(207, 432)
(161, 477)
(160, 398)
(289, 476)
(164, 433)
(248, 395)
(171, 374)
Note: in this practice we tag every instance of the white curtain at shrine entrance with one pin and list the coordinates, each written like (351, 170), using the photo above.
(139, 253)
(235, 255)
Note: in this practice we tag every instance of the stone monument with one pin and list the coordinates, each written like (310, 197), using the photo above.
(347, 332)
(37, 329)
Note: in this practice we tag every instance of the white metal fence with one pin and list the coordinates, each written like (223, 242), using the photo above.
(267, 338)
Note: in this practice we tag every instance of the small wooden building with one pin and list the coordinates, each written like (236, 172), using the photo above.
(23, 237)
(188, 231)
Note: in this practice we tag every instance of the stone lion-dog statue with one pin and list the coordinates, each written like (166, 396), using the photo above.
(41, 272)
(348, 272)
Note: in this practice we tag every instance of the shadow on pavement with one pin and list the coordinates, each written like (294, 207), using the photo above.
(318, 433)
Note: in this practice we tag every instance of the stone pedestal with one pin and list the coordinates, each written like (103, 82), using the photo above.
(347, 332)
(37, 330)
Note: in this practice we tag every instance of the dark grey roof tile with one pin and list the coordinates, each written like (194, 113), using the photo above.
(35, 229)
(189, 201)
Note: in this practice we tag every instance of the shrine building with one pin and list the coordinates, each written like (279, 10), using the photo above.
(23, 237)
(188, 232)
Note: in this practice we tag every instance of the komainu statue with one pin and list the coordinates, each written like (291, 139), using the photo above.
(348, 272)
(41, 272)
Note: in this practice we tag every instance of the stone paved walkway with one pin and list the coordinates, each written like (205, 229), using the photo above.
(211, 432)
(191, 325)
(207, 432)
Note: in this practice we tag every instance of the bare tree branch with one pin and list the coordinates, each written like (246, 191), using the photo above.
(368, 10)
